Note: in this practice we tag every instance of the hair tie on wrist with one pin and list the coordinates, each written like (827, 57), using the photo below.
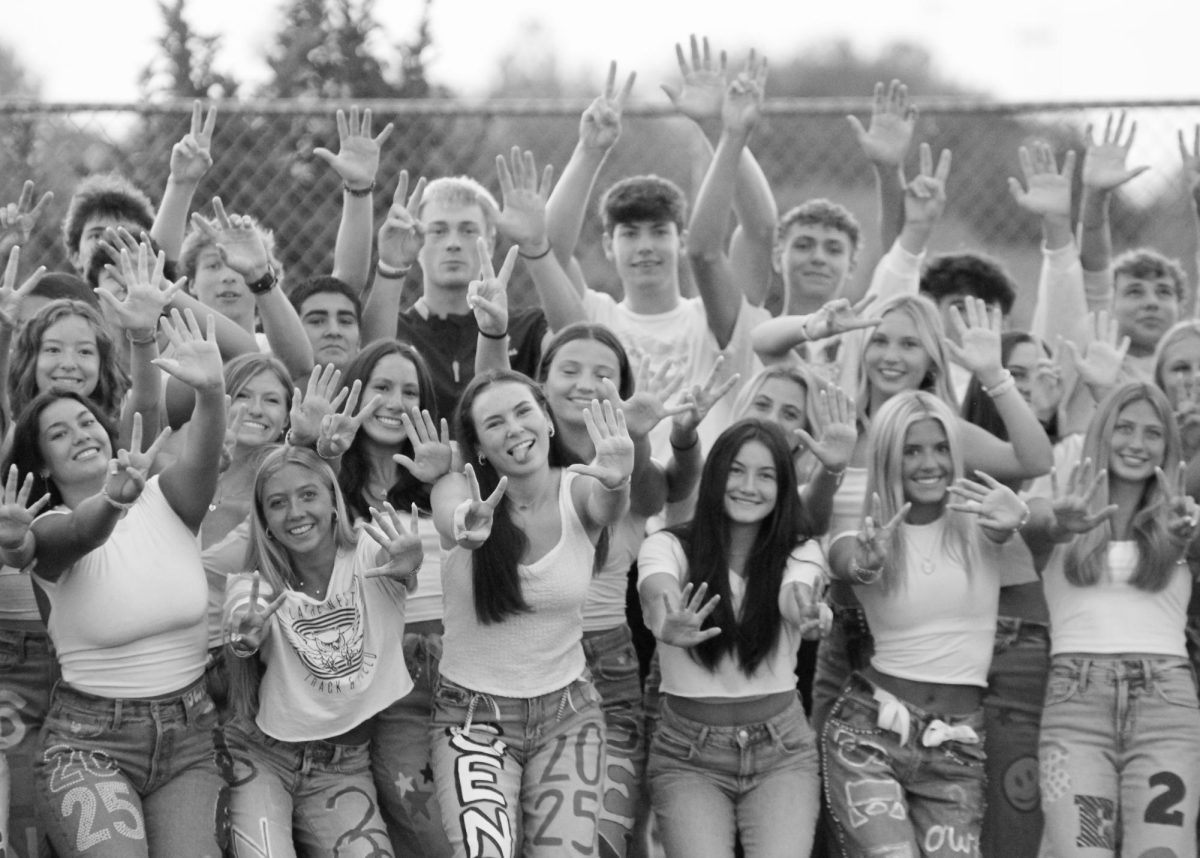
(544, 253)
(388, 272)
(359, 192)
(502, 336)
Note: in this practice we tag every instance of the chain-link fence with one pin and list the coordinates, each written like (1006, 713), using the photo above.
(264, 163)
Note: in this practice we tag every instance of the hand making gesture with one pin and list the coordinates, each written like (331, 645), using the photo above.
(191, 157)
(250, 624)
(978, 349)
(836, 317)
(1047, 191)
(18, 219)
(647, 406)
(742, 105)
(681, 625)
(147, 292)
(1183, 513)
(400, 235)
(473, 517)
(239, 241)
(1104, 162)
(195, 359)
(887, 139)
(400, 552)
(432, 452)
(488, 296)
(357, 159)
(925, 194)
(321, 397)
(1103, 357)
(339, 428)
(600, 124)
(523, 218)
(836, 421)
(128, 472)
(701, 398)
(703, 90)
(998, 507)
(612, 463)
(1072, 505)
(875, 542)
(16, 513)
(816, 618)
(13, 296)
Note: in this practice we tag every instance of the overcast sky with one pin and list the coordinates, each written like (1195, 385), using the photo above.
(1016, 49)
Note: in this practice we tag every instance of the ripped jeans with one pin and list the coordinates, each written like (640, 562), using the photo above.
(901, 782)
(519, 776)
(1120, 756)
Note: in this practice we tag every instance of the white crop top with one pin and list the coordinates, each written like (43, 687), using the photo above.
(128, 619)
(662, 553)
(1112, 616)
(527, 654)
(333, 663)
(940, 624)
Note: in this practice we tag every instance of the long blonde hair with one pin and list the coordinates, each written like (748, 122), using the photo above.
(885, 456)
(1087, 554)
(925, 317)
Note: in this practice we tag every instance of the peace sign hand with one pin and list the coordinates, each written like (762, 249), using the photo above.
(875, 542)
(612, 464)
(250, 623)
(1187, 414)
(338, 429)
(681, 626)
(925, 195)
(816, 618)
(432, 453)
(357, 160)
(11, 295)
(127, 473)
(742, 104)
(836, 420)
(600, 124)
(1183, 514)
(701, 398)
(401, 551)
(998, 507)
(1072, 506)
(838, 316)
(401, 236)
(192, 155)
(488, 296)
(16, 514)
(473, 517)
(17, 220)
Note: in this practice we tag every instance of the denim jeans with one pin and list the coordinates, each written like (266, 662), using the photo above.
(757, 783)
(400, 758)
(128, 778)
(28, 671)
(1012, 826)
(848, 647)
(613, 662)
(312, 799)
(1120, 756)
(519, 776)
(894, 797)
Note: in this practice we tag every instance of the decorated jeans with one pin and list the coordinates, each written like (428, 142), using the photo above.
(1120, 757)
(519, 776)
(901, 782)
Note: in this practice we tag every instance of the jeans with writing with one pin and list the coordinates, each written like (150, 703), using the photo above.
(28, 671)
(757, 783)
(400, 758)
(1012, 826)
(893, 797)
(312, 799)
(613, 662)
(1120, 756)
(519, 776)
(127, 778)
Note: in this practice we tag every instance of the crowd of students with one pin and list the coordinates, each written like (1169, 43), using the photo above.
(291, 569)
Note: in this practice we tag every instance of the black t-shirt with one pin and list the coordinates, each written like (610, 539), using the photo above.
(448, 346)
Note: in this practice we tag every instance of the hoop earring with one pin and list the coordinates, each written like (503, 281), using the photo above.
(482, 460)
(551, 435)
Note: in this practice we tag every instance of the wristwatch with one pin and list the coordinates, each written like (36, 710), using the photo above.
(263, 284)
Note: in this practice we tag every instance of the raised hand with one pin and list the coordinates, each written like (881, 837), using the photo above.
(978, 348)
(1186, 396)
(836, 421)
(925, 195)
(127, 473)
(875, 542)
(235, 416)
(18, 219)
(1102, 359)
(887, 139)
(147, 293)
(249, 626)
(612, 463)
(836, 317)
(1183, 513)
(401, 551)
(1047, 190)
(702, 397)
(682, 625)
(647, 407)
(192, 155)
(600, 124)
(473, 517)
(401, 235)
(523, 218)
(488, 296)
(16, 513)
(1191, 159)
(1072, 506)
(357, 159)
(13, 296)
(816, 618)
(1104, 162)
(703, 90)
(195, 360)
(432, 452)
(321, 397)
(238, 239)
(339, 428)
(742, 105)
(1047, 389)
(997, 506)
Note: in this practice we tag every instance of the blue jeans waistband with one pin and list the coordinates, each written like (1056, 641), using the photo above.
(184, 705)
(604, 640)
(1117, 667)
(736, 736)
(315, 751)
(862, 691)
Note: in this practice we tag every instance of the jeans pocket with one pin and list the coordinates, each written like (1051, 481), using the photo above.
(12, 646)
(669, 743)
(1177, 687)
(1062, 685)
(71, 724)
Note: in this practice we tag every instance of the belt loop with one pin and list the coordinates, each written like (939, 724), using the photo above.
(24, 646)
(1085, 670)
(116, 714)
(702, 739)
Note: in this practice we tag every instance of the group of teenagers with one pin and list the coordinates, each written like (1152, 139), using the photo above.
(293, 569)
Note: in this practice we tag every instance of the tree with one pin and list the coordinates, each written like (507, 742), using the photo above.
(187, 66)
